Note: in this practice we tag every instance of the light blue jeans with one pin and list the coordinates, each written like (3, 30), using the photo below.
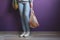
(24, 8)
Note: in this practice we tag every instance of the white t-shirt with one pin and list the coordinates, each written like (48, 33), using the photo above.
(24, 0)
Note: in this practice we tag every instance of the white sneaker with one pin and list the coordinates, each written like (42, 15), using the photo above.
(27, 34)
(22, 34)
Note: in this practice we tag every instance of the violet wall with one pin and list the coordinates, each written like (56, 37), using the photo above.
(46, 11)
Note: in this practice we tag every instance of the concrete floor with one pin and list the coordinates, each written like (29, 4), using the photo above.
(34, 36)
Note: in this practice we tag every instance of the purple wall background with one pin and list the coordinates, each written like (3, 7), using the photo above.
(46, 11)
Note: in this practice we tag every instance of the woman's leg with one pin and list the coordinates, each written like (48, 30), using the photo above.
(26, 14)
(22, 19)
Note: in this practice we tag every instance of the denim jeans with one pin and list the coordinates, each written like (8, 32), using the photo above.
(24, 8)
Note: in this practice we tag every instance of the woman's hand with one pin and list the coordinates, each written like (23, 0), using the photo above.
(31, 5)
